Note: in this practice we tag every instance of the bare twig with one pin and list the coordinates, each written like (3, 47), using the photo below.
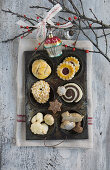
(82, 7)
(81, 23)
(94, 33)
(19, 35)
(95, 45)
(76, 9)
(93, 14)
(40, 44)
(40, 7)
(106, 45)
(103, 35)
(39, 16)
(81, 16)
(77, 36)
(20, 16)
(101, 52)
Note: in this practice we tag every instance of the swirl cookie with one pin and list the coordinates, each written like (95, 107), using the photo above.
(41, 69)
(73, 93)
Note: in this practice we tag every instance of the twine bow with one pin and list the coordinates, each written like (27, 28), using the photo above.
(41, 26)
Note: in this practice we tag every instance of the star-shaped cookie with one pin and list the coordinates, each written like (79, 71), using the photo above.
(55, 106)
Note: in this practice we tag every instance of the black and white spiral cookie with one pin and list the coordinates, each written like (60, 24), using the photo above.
(70, 92)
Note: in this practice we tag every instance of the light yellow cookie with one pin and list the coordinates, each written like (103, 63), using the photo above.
(66, 71)
(49, 120)
(73, 61)
(41, 69)
(40, 91)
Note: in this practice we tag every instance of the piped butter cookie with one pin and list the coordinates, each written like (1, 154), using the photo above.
(40, 91)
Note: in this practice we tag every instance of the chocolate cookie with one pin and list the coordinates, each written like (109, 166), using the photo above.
(73, 93)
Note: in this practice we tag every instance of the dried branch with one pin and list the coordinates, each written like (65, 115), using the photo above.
(103, 35)
(93, 14)
(40, 7)
(40, 44)
(87, 21)
(81, 16)
(20, 16)
(81, 23)
(100, 22)
(82, 7)
(91, 28)
(24, 34)
(76, 9)
(106, 45)
(101, 52)
(77, 36)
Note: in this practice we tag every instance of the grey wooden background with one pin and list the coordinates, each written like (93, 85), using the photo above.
(26, 158)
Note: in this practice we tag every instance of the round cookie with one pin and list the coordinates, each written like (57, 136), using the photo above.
(73, 93)
(40, 91)
(66, 71)
(73, 61)
(49, 120)
(37, 118)
(41, 69)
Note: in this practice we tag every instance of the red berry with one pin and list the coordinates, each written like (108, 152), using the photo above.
(90, 25)
(75, 17)
(28, 30)
(21, 26)
(87, 51)
(65, 45)
(74, 49)
(39, 43)
(35, 48)
(37, 17)
(58, 23)
(27, 27)
(69, 18)
(24, 15)
(22, 37)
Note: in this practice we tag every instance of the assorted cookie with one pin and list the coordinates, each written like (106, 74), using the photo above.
(41, 91)
(72, 121)
(66, 71)
(68, 68)
(72, 117)
(40, 125)
(49, 120)
(78, 128)
(55, 106)
(41, 69)
(70, 92)
(38, 117)
(67, 125)
(73, 61)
